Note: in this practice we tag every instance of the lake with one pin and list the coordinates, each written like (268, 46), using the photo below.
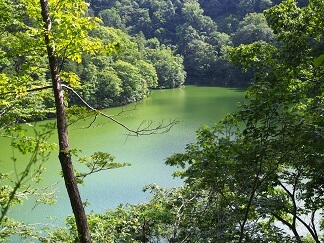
(192, 106)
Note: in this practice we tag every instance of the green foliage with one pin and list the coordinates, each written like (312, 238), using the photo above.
(114, 80)
(258, 167)
(69, 29)
(169, 67)
(190, 27)
(97, 162)
(252, 28)
(265, 171)
(10, 227)
(132, 82)
(260, 56)
(19, 185)
(111, 18)
(165, 217)
(193, 15)
(245, 6)
(25, 96)
(148, 73)
(108, 88)
(319, 61)
(306, 23)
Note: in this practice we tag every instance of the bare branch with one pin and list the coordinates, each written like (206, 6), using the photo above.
(311, 228)
(93, 121)
(17, 185)
(145, 128)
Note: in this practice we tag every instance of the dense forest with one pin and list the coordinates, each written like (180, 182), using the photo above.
(200, 31)
(256, 176)
(161, 44)
(177, 41)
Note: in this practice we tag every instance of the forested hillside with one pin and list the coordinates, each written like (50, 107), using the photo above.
(200, 31)
(136, 66)
(128, 75)
(162, 44)
(193, 35)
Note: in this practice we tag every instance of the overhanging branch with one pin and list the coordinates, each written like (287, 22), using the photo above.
(145, 128)
(28, 90)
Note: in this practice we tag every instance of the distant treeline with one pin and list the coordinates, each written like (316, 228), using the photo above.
(164, 44)
(161, 44)
(128, 75)
(199, 30)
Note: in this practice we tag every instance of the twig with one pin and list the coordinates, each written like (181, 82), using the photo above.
(147, 130)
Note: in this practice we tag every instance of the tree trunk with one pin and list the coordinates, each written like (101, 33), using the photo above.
(64, 154)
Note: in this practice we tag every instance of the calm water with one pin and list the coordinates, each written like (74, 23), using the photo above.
(192, 106)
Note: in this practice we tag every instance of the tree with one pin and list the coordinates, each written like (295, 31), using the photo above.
(148, 73)
(217, 8)
(109, 88)
(253, 27)
(62, 39)
(132, 84)
(193, 15)
(269, 169)
(19, 103)
(101, 83)
(64, 147)
(245, 7)
(263, 164)
(169, 67)
(111, 18)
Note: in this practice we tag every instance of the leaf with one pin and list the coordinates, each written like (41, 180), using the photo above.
(72, 79)
(319, 61)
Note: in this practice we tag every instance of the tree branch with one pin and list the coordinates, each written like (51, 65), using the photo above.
(311, 230)
(148, 129)
(292, 226)
(28, 90)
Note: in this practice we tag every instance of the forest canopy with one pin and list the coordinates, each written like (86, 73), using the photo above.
(200, 31)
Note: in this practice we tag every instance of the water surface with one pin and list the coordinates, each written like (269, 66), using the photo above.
(192, 106)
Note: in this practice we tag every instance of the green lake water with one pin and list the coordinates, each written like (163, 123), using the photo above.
(192, 106)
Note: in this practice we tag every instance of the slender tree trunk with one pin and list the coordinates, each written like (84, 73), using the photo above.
(64, 154)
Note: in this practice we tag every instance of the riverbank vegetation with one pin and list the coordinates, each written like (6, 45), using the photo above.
(256, 176)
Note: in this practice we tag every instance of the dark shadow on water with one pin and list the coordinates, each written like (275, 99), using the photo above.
(234, 88)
